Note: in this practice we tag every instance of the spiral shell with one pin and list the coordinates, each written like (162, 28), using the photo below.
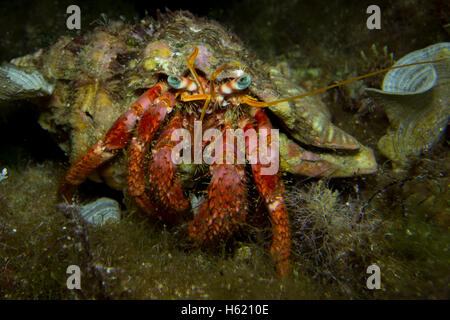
(101, 211)
(19, 83)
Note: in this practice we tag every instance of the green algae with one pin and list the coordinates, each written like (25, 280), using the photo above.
(136, 258)
(140, 258)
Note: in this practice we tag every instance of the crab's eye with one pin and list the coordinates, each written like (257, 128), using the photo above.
(235, 85)
(175, 82)
(178, 82)
(243, 82)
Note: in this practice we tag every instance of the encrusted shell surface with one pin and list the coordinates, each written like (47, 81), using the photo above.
(417, 102)
(295, 159)
(307, 119)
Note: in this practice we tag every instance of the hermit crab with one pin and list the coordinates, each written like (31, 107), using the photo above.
(119, 98)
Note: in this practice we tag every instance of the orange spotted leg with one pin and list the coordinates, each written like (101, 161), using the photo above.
(162, 171)
(148, 126)
(271, 189)
(225, 207)
(115, 139)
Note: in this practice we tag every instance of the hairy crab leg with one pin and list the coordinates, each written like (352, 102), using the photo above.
(162, 171)
(115, 139)
(271, 189)
(148, 126)
(226, 206)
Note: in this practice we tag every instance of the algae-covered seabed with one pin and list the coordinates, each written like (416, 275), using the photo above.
(405, 230)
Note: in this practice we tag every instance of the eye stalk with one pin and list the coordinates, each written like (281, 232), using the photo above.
(178, 82)
(175, 82)
(237, 84)
(243, 82)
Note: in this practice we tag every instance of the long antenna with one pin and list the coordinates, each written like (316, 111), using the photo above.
(268, 104)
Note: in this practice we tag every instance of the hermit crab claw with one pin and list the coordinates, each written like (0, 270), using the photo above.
(18, 83)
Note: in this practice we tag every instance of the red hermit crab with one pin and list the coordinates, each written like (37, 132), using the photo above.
(226, 205)
(137, 87)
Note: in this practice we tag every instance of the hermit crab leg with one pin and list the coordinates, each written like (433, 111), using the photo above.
(148, 126)
(271, 189)
(225, 206)
(116, 138)
(162, 171)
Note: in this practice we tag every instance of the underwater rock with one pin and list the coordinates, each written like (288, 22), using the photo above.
(416, 101)
(21, 83)
(101, 211)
